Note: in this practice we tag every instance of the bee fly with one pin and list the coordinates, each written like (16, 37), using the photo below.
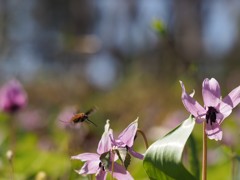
(81, 117)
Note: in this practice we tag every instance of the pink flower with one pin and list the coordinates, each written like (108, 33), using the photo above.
(31, 119)
(215, 108)
(126, 139)
(63, 119)
(12, 97)
(95, 165)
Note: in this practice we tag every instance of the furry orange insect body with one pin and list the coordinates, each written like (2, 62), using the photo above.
(81, 117)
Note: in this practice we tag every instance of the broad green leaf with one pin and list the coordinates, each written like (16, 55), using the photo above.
(163, 159)
(193, 156)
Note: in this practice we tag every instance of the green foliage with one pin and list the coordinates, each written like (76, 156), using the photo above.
(221, 171)
(30, 159)
(163, 159)
(236, 167)
(193, 156)
(33, 153)
(159, 27)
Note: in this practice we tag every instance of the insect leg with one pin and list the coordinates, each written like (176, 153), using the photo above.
(91, 122)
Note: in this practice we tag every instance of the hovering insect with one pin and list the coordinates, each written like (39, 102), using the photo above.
(81, 117)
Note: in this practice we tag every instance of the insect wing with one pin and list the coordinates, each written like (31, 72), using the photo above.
(90, 111)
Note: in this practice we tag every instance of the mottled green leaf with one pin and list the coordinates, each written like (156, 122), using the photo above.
(163, 159)
(193, 157)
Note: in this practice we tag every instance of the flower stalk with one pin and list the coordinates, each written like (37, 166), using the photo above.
(112, 159)
(204, 156)
(9, 155)
(12, 133)
(144, 137)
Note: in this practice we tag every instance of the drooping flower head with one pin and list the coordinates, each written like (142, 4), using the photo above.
(215, 109)
(96, 163)
(12, 97)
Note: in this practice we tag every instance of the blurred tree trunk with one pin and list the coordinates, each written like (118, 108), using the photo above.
(181, 49)
(3, 25)
(188, 28)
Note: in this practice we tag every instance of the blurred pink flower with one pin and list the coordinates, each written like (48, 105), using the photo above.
(173, 119)
(215, 108)
(65, 115)
(230, 137)
(12, 97)
(31, 119)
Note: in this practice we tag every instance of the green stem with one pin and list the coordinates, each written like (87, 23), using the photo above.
(12, 143)
(144, 137)
(235, 165)
(112, 159)
(12, 133)
(9, 155)
(12, 170)
(204, 157)
(90, 176)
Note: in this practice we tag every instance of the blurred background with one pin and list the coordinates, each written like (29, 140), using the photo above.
(124, 57)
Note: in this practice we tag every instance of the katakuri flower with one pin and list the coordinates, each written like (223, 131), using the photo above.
(12, 97)
(126, 139)
(98, 164)
(215, 109)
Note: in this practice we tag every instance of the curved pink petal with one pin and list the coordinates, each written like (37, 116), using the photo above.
(101, 175)
(191, 104)
(86, 157)
(90, 167)
(128, 134)
(224, 109)
(219, 118)
(135, 154)
(200, 119)
(211, 92)
(214, 131)
(105, 143)
(121, 173)
(233, 98)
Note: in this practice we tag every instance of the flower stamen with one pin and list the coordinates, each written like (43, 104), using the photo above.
(211, 115)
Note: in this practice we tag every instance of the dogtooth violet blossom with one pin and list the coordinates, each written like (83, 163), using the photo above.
(215, 109)
(94, 163)
(12, 97)
(126, 139)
